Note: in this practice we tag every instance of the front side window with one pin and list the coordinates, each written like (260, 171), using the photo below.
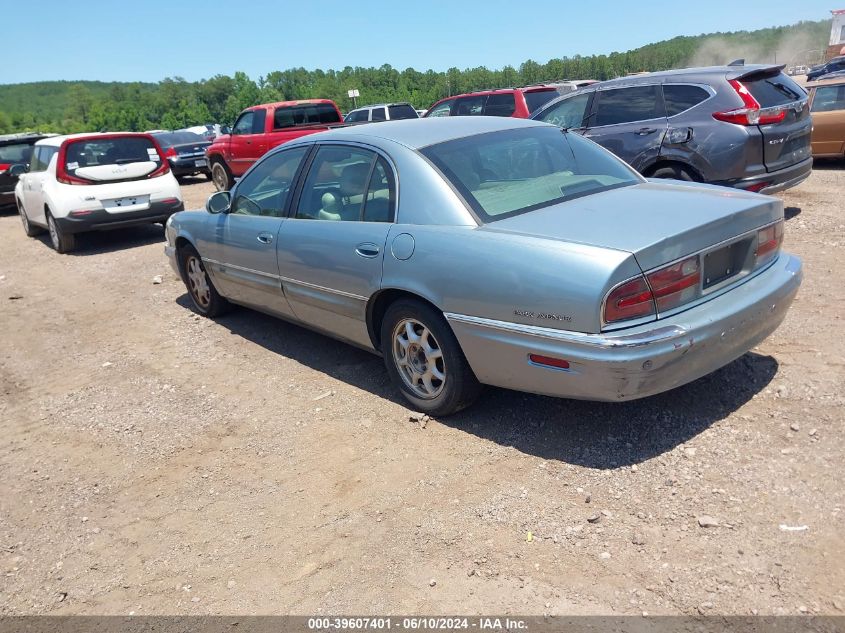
(265, 189)
(501, 174)
(681, 97)
(442, 109)
(357, 116)
(626, 105)
(500, 105)
(470, 106)
(347, 184)
(244, 123)
(829, 98)
(567, 113)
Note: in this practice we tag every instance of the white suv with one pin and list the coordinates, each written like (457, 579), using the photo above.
(382, 112)
(91, 182)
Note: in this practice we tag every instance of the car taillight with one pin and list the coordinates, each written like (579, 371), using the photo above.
(630, 300)
(64, 177)
(162, 169)
(4, 167)
(676, 284)
(750, 113)
(769, 241)
(171, 153)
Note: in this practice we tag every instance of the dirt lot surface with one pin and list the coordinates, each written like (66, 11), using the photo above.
(155, 462)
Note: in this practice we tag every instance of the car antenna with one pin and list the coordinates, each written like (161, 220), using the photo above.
(737, 62)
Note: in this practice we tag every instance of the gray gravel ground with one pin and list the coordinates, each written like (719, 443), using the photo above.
(155, 462)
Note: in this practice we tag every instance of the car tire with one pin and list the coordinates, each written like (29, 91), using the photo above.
(207, 174)
(204, 296)
(30, 229)
(675, 172)
(424, 360)
(62, 242)
(221, 176)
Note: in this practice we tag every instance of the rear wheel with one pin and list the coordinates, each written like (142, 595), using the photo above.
(30, 229)
(424, 359)
(207, 301)
(62, 242)
(675, 172)
(221, 176)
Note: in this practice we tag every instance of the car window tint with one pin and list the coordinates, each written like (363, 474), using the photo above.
(381, 194)
(680, 98)
(38, 164)
(625, 105)
(500, 105)
(537, 98)
(774, 90)
(567, 113)
(829, 98)
(120, 150)
(505, 173)
(379, 114)
(443, 109)
(402, 111)
(265, 189)
(305, 114)
(470, 106)
(16, 153)
(357, 116)
(244, 123)
(335, 188)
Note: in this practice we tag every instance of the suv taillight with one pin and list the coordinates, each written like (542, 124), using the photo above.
(750, 113)
(769, 241)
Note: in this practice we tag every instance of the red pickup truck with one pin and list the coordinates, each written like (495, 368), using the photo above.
(263, 127)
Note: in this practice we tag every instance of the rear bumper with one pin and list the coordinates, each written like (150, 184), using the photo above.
(101, 219)
(776, 180)
(188, 167)
(640, 361)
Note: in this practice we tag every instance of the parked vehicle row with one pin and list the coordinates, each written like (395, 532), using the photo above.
(381, 112)
(517, 255)
(15, 149)
(827, 102)
(185, 151)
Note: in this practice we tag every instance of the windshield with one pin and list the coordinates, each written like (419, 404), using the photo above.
(502, 174)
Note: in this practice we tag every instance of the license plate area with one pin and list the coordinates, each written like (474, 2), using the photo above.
(200, 163)
(128, 203)
(726, 262)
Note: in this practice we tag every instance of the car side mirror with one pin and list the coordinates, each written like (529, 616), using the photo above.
(219, 202)
(18, 169)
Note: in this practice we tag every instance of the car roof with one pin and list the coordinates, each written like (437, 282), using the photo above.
(833, 81)
(56, 141)
(23, 136)
(419, 133)
(288, 104)
(681, 74)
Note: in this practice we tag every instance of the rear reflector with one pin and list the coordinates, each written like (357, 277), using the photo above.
(170, 201)
(758, 186)
(80, 213)
(548, 361)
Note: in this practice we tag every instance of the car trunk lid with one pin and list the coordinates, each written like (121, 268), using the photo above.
(658, 222)
(191, 150)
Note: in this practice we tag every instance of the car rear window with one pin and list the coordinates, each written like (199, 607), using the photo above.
(308, 114)
(681, 97)
(16, 153)
(774, 90)
(402, 111)
(178, 138)
(502, 174)
(119, 150)
(537, 98)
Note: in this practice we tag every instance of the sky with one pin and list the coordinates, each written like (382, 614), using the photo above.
(148, 40)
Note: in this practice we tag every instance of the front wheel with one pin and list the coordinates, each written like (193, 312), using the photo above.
(424, 359)
(221, 176)
(207, 301)
(61, 241)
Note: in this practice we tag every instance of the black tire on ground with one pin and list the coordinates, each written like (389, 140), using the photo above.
(221, 176)
(61, 241)
(204, 296)
(30, 229)
(207, 174)
(673, 171)
(424, 360)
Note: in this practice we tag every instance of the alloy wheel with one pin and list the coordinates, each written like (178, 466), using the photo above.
(419, 358)
(198, 282)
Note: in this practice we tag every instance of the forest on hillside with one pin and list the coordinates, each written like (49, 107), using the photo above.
(75, 106)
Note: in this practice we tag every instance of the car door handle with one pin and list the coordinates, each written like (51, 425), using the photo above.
(643, 131)
(367, 249)
(265, 238)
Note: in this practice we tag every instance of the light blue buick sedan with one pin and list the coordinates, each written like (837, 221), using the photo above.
(482, 250)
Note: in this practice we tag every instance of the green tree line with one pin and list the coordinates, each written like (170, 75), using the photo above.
(65, 107)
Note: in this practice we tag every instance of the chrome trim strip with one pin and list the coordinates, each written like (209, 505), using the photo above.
(288, 280)
(604, 341)
(241, 268)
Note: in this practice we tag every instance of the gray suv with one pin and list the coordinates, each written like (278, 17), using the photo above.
(741, 126)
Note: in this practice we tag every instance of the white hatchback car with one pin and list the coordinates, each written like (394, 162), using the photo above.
(92, 182)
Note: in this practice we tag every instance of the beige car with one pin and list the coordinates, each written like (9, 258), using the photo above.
(827, 105)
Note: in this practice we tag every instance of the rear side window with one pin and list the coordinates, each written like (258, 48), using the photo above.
(307, 114)
(357, 116)
(244, 123)
(41, 157)
(567, 113)
(680, 98)
(109, 151)
(625, 105)
(774, 90)
(537, 98)
(378, 114)
(500, 105)
(829, 98)
(402, 111)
